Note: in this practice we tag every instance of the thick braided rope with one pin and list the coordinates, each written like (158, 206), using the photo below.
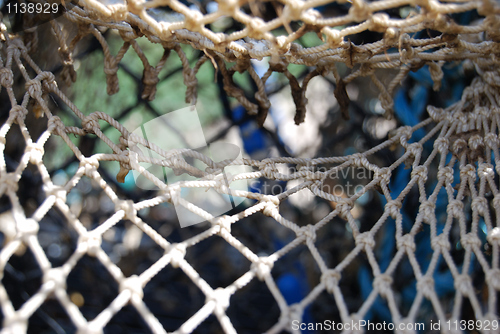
(362, 16)
(476, 157)
(405, 43)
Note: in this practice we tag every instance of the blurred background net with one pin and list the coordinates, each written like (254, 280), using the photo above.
(369, 137)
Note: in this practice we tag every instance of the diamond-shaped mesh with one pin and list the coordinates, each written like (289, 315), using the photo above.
(460, 173)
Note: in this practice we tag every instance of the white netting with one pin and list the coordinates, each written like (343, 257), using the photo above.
(463, 160)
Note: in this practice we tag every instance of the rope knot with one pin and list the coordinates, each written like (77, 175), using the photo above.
(480, 205)
(10, 180)
(426, 285)
(118, 12)
(56, 124)
(128, 208)
(333, 37)
(468, 171)
(17, 46)
(359, 11)
(228, 7)
(420, 172)
(271, 203)
(262, 267)
(135, 6)
(446, 173)
(442, 144)
(344, 209)
(34, 88)
(404, 134)
(470, 240)
(391, 36)
(393, 208)
(19, 112)
(440, 243)
(359, 159)
(387, 104)
(382, 283)
(463, 284)
(177, 253)
(491, 78)
(220, 297)
(455, 208)
(27, 228)
(365, 240)
(486, 170)
(91, 123)
(56, 191)
(294, 314)
(128, 36)
(308, 231)
(427, 208)
(415, 149)
(212, 172)
(90, 165)
(193, 21)
(282, 44)
(150, 80)
(36, 153)
(476, 142)
(56, 277)
(224, 222)
(269, 208)
(379, 22)
(384, 174)
(331, 279)
(407, 242)
(110, 69)
(134, 285)
(15, 324)
(48, 79)
(491, 140)
(175, 194)
(458, 146)
(406, 51)
(89, 243)
(493, 236)
(493, 277)
(256, 28)
(293, 10)
(6, 77)
(268, 170)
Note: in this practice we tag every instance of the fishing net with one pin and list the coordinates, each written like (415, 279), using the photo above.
(430, 251)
